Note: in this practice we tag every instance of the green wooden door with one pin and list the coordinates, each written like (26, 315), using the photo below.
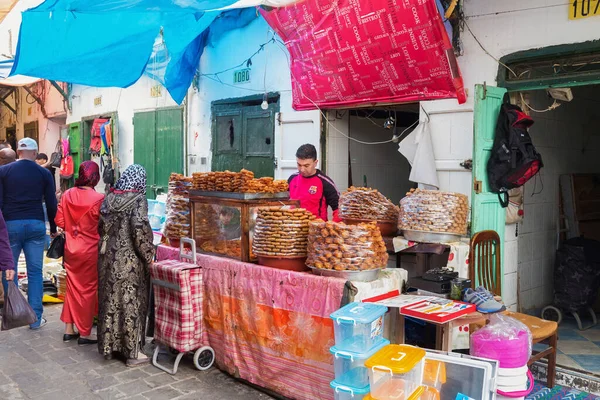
(144, 145)
(259, 135)
(227, 142)
(486, 213)
(158, 146)
(244, 137)
(76, 145)
(169, 147)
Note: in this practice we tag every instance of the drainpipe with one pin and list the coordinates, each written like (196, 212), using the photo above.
(185, 135)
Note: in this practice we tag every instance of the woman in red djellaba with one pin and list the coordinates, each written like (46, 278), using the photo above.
(78, 215)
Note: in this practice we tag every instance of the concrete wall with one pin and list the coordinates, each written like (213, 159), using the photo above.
(384, 167)
(569, 142)
(502, 28)
(296, 128)
(125, 102)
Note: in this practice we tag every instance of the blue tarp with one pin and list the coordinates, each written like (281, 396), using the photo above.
(109, 43)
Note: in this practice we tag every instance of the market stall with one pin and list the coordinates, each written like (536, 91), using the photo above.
(273, 274)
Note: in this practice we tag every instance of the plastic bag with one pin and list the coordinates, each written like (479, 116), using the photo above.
(333, 245)
(504, 339)
(367, 204)
(17, 311)
(434, 211)
(281, 232)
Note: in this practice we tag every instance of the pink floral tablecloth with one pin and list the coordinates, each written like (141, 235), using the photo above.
(270, 327)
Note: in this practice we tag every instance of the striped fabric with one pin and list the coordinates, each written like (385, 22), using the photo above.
(178, 299)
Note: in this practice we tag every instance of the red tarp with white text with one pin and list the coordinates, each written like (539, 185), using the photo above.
(367, 52)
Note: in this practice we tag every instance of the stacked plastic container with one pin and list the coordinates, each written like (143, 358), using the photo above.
(396, 373)
(358, 329)
(509, 341)
(156, 214)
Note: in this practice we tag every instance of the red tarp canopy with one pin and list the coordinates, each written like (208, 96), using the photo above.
(366, 52)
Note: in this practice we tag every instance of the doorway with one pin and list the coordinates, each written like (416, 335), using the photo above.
(158, 146)
(243, 135)
(11, 136)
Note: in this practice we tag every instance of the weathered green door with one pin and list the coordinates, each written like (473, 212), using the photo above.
(244, 137)
(227, 139)
(158, 146)
(486, 213)
(144, 144)
(259, 134)
(75, 144)
(169, 146)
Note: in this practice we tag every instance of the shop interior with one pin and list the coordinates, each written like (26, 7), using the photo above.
(560, 203)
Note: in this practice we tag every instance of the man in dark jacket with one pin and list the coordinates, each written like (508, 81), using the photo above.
(7, 265)
(24, 185)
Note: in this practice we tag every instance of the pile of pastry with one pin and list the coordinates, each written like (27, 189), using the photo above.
(230, 248)
(341, 247)
(207, 223)
(367, 204)
(177, 224)
(240, 182)
(281, 232)
(434, 211)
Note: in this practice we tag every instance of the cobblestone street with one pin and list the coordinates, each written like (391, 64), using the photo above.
(38, 365)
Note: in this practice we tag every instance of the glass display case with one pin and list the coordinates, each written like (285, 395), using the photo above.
(223, 223)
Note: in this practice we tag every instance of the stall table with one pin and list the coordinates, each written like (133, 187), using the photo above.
(271, 327)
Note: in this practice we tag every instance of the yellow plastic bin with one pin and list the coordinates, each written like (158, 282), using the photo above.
(396, 372)
(422, 393)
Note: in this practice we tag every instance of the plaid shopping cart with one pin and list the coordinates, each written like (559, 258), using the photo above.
(178, 309)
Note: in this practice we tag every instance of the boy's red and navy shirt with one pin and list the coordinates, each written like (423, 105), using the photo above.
(315, 194)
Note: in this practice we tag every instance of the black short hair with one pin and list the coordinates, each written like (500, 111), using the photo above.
(42, 156)
(306, 152)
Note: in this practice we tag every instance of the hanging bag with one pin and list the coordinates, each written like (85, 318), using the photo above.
(56, 157)
(67, 166)
(17, 312)
(514, 159)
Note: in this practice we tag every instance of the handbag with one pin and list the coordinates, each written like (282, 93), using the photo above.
(17, 311)
(56, 157)
(57, 247)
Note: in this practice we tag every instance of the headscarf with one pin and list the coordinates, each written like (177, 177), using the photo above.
(133, 179)
(89, 174)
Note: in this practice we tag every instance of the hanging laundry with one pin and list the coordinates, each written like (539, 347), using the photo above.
(95, 140)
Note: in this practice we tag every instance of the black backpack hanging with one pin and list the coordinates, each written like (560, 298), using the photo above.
(514, 159)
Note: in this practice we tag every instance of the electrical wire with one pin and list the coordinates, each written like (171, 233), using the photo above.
(518, 10)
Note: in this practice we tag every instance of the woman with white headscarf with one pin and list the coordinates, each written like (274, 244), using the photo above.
(125, 253)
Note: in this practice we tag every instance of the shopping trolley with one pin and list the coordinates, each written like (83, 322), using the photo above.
(178, 309)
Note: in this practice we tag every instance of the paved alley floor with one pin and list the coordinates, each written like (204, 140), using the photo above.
(38, 365)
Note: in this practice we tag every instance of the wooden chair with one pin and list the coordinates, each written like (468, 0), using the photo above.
(485, 270)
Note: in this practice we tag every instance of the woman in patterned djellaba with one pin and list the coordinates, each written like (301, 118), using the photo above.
(125, 254)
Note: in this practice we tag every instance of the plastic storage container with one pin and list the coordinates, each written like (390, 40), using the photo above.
(358, 327)
(395, 372)
(350, 367)
(422, 393)
(157, 207)
(343, 392)
(156, 221)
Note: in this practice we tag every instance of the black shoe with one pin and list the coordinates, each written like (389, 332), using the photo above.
(67, 337)
(83, 341)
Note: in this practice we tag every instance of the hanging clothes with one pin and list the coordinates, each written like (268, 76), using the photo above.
(95, 140)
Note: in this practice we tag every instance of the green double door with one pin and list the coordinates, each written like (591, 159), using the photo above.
(487, 214)
(244, 137)
(158, 146)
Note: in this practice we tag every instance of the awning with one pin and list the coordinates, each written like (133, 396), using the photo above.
(351, 53)
(109, 43)
(16, 80)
